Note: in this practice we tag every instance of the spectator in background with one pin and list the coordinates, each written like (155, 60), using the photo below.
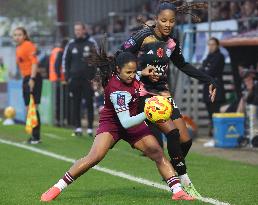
(3, 71)
(249, 11)
(79, 74)
(224, 12)
(56, 75)
(249, 91)
(251, 87)
(43, 58)
(213, 65)
(235, 12)
(32, 81)
(56, 72)
(215, 11)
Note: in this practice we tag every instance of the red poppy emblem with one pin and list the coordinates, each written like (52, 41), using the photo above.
(160, 52)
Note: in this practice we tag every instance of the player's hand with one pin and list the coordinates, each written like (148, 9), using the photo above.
(148, 71)
(31, 84)
(212, 92)
(154, 78)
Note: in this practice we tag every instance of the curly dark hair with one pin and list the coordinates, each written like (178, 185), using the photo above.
(180, 7)
(106, 66)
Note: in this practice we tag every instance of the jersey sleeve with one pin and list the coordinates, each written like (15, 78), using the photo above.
(178, 60)
(32, 53)
(177, 57)
(121, 100)
(133, 44)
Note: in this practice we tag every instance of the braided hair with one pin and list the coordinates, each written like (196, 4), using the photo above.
(178, 6)
(106, 66)
(181, 7)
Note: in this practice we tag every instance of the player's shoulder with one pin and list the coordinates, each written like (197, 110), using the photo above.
(29, 44)
(142, 33)
(92, 40)
(115, 84)
(70, 42)
(173, 38)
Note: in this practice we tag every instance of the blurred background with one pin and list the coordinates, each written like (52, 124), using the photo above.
(234, 23)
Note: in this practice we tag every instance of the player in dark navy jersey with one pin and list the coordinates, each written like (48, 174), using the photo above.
(119, 120)
(155, 47)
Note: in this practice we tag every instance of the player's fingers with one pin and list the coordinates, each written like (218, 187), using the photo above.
(213, 95)
(210, 89)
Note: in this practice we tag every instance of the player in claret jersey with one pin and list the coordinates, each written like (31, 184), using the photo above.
(119, 120)
(155, 46)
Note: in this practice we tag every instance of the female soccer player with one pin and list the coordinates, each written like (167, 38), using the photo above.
(32, 81)
(119, 120)
(155, 46)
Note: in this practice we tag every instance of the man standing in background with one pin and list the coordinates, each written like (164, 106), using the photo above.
(56, 75)
(79, 74)
(213, 65)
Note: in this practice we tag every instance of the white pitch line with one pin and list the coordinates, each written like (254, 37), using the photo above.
(50, 135)
(105, 170)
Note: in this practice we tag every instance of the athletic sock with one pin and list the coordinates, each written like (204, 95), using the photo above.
(175, 151)
(185, 180)
(89, 131)
(65, 181)
(174, 184)
(186, 147)
(78, 129)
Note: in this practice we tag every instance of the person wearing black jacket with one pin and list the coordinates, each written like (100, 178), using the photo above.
(213, 65)
(79, 74)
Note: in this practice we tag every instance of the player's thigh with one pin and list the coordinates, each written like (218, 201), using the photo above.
(166, 127)
(149, 146)
(184, 134)
(101, 145)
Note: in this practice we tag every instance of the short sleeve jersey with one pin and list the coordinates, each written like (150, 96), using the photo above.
(25, 57)
(125, 95)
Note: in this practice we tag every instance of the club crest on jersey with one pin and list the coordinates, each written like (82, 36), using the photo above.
(129, 43)
(74, 51)
(120, 100)
(160, 52)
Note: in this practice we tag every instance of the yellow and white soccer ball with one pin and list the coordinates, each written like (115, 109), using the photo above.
(158, 109)
(9, 112)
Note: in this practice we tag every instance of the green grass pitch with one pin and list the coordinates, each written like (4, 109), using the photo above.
(25, 175)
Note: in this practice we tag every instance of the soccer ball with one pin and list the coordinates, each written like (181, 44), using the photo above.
(9, 112)
(157, 109)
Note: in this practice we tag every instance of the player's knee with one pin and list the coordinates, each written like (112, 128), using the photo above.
(173, 135)
(155, 154)
(95, 157)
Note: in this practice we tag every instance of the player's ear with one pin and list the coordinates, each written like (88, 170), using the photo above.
(118, 70)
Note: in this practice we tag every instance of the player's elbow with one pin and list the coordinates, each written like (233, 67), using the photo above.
(124, 124)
